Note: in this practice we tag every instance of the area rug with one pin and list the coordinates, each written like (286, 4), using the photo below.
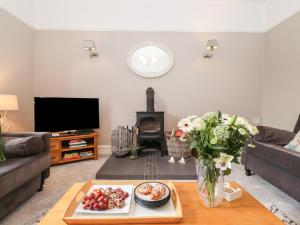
(281, 215)
(149, 166)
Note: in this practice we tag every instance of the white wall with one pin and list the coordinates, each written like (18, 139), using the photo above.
(17, 68)
(282, 75)
(278, 11)
(22, 9)
(230, 82)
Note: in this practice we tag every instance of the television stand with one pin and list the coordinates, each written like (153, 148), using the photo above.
(85, 131)
(73, 147)
(72, 133)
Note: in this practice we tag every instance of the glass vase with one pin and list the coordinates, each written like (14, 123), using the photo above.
(210, 183)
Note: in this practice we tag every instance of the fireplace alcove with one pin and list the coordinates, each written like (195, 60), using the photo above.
(151, 130)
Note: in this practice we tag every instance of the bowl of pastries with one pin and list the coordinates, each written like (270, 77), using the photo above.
(152, 194)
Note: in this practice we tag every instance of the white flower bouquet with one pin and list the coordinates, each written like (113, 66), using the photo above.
(216, 140)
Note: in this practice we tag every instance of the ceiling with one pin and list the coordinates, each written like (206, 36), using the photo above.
(153, 15)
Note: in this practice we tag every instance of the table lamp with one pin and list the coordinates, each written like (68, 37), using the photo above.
(7, 103)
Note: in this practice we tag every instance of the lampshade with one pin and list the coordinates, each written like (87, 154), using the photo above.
(8, 102)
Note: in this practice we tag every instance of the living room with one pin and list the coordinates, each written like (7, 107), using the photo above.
(86, 73)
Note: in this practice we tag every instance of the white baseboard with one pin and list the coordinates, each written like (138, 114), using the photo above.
(104, 149)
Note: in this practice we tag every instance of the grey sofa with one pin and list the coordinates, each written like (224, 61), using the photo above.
(23, 176)
(271, 161)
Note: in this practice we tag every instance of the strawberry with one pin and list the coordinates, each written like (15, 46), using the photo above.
(96, 206)
(100, 199)
(93, 201)
(104, 206)
(105, 200)
(92, 196)
(87, 203)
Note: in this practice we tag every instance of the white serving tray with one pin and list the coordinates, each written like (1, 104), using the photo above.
(169, 213)
(125, 209)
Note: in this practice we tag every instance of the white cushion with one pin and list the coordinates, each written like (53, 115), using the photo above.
(295, 143)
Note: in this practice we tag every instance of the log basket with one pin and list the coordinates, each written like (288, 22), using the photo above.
(121, 141)
(178, 148)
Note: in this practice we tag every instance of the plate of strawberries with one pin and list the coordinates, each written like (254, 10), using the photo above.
(106, 199)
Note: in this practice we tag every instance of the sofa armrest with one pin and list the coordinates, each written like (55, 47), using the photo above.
(274, 136)
(44, 136)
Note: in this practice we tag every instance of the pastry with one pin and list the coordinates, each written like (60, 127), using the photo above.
(145, 189)
(158, 191)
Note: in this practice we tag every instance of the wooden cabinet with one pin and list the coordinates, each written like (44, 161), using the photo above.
(54, 145)
(63, 149)
(55, 156)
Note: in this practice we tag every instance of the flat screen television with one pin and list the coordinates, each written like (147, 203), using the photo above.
(64, 114)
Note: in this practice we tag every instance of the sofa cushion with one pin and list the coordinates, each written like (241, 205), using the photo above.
(17, 171)
(44, 136)
(278, 155)
(274, 136)
(297, 126)
(22, 146)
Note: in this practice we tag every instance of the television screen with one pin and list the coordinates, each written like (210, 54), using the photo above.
(63, 114)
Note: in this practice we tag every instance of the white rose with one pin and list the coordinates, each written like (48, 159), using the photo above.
(199, 124)
(210, 116)
(252, 129)
(241, 121)
(242, 131)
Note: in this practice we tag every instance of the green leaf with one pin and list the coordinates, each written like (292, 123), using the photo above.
(227, 172)
(206, 141)
(214, 141)
(233, 119)
(193, 144)
(217, 147)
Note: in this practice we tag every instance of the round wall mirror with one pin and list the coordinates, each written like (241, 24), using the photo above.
(150, 59)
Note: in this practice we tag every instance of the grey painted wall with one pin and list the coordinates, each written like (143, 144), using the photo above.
(281, 105)
(230, 82)
(17, 68)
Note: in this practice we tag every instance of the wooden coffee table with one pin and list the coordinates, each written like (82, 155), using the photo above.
(244, 211)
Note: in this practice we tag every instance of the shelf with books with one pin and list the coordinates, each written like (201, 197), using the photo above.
(75, 155)
(76, 148)
(85, 146)
(73, 160)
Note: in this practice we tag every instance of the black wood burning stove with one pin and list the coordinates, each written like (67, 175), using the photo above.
(151, 125)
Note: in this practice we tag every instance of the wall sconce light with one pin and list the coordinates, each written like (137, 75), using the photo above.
(90, 46)
(211, 46)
